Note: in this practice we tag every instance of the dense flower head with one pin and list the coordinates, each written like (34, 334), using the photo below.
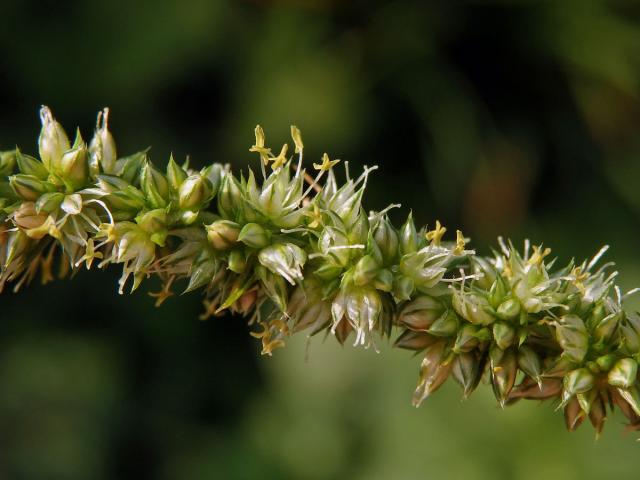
(293, 250)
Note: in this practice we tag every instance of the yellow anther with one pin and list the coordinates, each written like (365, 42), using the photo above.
(297, 138)
(281, 159)
(316, 216)
(163, 294)
(579, 277)
(538, 255)
(90, 254)
(259, 146)
(326, 164)
(460, 243)
(506, 271)
(435, 235)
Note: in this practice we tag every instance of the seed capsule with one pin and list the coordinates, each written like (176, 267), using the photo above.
(503, 334)
(408, 236)
(624, 373)
(416, 341)
(446, 325)
(386, 238)
(580, 380)
(223, 234)
(573, 415)
(504, 368)
(529, 362)
(27, 217)
(420, 313)
(509, 309)
(467, 371)
(433, 372)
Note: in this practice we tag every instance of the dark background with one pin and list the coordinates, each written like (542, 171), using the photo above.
(518, 118)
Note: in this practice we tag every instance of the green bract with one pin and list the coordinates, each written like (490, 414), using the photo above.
(293, 251)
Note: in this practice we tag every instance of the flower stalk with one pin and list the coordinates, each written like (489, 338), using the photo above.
(296, 252)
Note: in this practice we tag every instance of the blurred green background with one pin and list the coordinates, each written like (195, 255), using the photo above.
(506, 117)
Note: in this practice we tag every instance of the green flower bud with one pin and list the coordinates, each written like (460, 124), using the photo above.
(53, 141)
(386, 238)
(237, 261)
(49, 202)
(415, 341)
(503, 334)
(606, 362)
(359, 231)
(223, 234)
(605, 328)
(509, 309)
(175, 174)
(408, 236)
(202, 271)
(74, 168)
(214, 175)
(17, 243)
(29, 187)
(154, 185)
(230, 197)
(194, 192)
(403, 287)
(572, 336)
(154, 222)
(7, 162)
(497, 292)
(30, 166)
(365, 270)
(623, 374)
(630, 339)
(383, 280)
(446, 325)
(254, 236)
(469, 337)
(102, 149)
(128, 168)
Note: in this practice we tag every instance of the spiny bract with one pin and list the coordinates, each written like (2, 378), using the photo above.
(294, 251)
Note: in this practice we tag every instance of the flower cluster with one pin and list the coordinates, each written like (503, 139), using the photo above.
(293, 251)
